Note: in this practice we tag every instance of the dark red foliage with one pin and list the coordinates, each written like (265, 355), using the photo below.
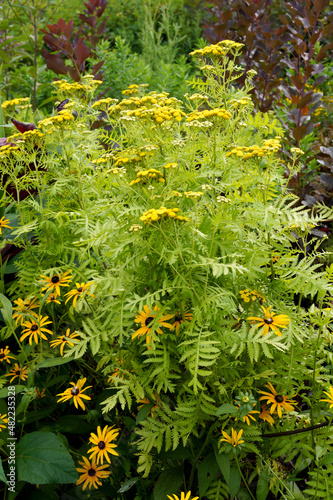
(66, 43)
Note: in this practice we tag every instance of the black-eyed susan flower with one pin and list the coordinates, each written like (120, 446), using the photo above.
(103, 446)
(5, 355)
(63, 340)
(265, 415)
(330, 397)
(75, 392)
(17, 371)
(3, 421)
(40, 393)
(277, 400)
(4, 223)
(183, 496)
(179, 319)
(234, 439)
(55, 282)
(24, 307)
(146, 317)
(91, 474)
(81, 289)
(52, 299)
(248, 416)
(35, 328)
(271, 321)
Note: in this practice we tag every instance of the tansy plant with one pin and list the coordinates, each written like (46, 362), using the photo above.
(148, 256)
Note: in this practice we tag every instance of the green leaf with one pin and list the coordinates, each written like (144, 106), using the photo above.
(226, 408)
(263, 487)
(4, 391)
(42, 458)
(7, 310)
(207, 472)
(327, 459)
(128, 485)
(234, 482)
(54, 362)
(224, 463)
(2, 474)
(168, 483)
(143, 412)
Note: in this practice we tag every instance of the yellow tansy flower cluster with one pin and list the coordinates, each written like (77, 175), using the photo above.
(73, 87)
(143, 175)
(154, 215)
(193, 194)
(63, 116)
(170, 165)
(269, 146)
(14, 102)
(134, 88)
(7, 149)
(253, 295)
(208, 113)
(103, 103)
(218, 50)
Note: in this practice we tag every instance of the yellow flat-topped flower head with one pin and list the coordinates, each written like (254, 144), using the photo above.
(91, 474)
(103, 446)
(234, 439)
(183, 496)
(17, 371)
(35, 329)
(5, 355)
(64, 340)
(146, 317)
(330, 397)
(56, 281)
(4, 223)
(75, 392)
(270, 321)
(277, 400)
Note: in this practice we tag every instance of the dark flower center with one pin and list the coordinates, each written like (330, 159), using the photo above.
(52, 297)
(80, 289)
(268, 321)
(101, 445)
(2, 356)
(34, 328)
(18, 372)
(75, 391)
(91, 472)
(179, 319)
(278, 398)
(149, 320)
(55, 279)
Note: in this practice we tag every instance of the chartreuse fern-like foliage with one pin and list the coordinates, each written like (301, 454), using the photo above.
(189, 261)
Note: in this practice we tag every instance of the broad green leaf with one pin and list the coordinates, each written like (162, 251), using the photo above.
(168, 483)
(143, 412)
(226, 408)
(7, 310)
(2, 474)
(128, 485)
(53, 362)
(42, 458)
(234, 481)
(263, 487)
(224, 463)
(207, 472)
(4, 391)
